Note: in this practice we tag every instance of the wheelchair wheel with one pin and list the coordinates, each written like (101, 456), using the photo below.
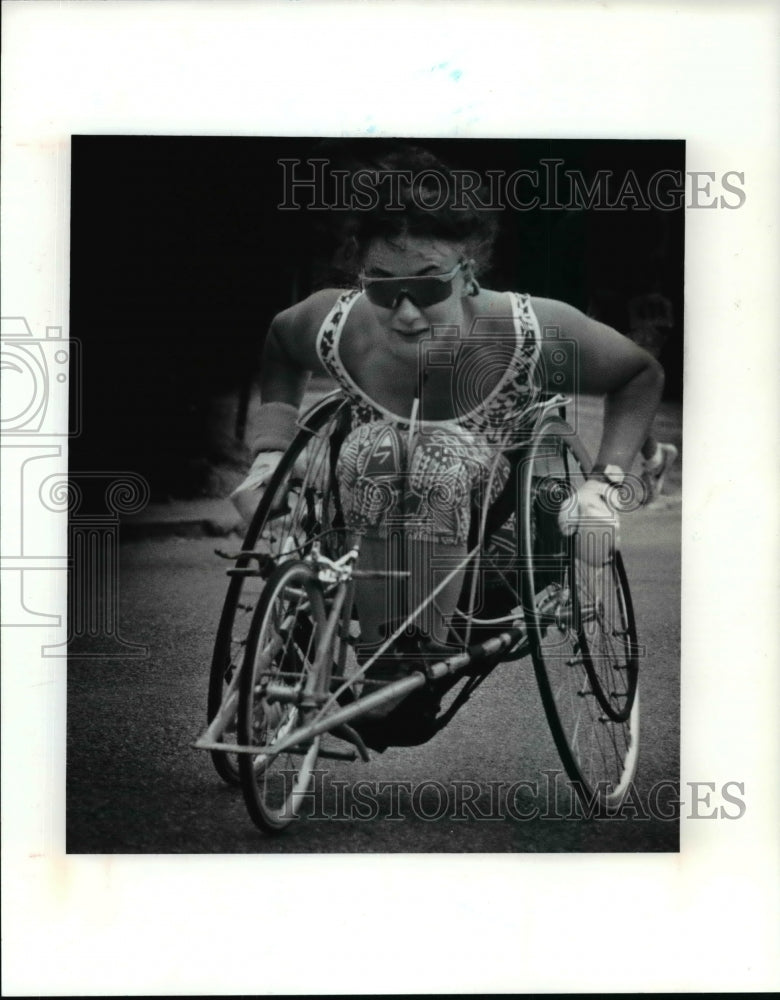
(300, 503)
(280, 658)
(581, 628)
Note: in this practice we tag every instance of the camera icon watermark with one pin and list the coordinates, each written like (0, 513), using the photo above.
(60, 526)
(495, 380)
(41, 377)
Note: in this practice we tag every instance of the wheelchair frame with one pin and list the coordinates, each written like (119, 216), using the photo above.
(572, 613)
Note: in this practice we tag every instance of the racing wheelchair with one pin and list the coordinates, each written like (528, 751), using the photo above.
(286, 687)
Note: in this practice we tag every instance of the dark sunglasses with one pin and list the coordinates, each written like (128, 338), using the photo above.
(424, 289)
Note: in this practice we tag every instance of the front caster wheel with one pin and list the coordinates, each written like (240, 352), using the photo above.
(280, 660)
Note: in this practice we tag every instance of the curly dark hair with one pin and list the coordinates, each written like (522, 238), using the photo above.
(424, 202)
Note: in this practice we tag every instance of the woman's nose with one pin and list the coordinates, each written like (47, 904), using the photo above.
(405, 308)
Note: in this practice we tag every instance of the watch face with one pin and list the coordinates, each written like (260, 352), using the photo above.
(614, 474)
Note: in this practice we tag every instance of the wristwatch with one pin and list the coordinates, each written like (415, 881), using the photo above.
(612, 474)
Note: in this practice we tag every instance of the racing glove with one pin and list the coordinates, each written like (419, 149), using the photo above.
(593, 515)
(247, 495)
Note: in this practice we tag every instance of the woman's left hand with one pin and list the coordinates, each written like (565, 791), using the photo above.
(596, 520)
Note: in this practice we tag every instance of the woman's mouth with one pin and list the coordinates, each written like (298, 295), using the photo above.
(410, 333)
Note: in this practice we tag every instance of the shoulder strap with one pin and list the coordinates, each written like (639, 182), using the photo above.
(526, 326)
(330, 334)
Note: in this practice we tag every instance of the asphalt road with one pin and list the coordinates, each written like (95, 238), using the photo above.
(134, 785)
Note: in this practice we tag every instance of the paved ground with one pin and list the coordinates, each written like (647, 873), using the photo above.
(134, 784)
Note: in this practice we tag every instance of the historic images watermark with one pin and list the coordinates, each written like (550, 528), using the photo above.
(314, 184)
(550, 798)
(41, 406)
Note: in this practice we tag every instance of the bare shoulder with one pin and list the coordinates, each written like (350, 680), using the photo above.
(605, 355)
(308, 314)
(490, 312)
(553, 312)
(494, 305)
(295, 329)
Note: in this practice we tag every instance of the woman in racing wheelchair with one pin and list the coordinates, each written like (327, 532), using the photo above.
(442, 376)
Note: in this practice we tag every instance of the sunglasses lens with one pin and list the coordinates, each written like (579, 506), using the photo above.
(423, 291)
(383, 293)
(432, 291)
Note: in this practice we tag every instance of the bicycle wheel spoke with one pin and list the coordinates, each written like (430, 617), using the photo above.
(584, 646)
(293, 510)
(281, 656)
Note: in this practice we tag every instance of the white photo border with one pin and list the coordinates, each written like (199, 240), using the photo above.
(705, 919)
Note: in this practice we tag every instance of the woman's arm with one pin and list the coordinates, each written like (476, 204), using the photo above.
(290, 350)
(609, 364)
(289, 357)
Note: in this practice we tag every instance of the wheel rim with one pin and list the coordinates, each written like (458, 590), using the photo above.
(607, 636)
(298, 504)
(582, 633)
(280, 659)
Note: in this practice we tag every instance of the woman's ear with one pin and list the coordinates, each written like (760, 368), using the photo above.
(470, 283)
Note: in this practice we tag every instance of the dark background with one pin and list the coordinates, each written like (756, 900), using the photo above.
(180, 259)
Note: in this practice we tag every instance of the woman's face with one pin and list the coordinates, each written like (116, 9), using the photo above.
(406, 321)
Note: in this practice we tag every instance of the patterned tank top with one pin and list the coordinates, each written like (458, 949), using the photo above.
(498, 419)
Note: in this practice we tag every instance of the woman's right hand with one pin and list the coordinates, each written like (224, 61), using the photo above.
(247, 496)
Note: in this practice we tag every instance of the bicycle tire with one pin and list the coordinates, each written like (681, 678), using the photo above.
(581, 628)
(269, 530)
(282, 648)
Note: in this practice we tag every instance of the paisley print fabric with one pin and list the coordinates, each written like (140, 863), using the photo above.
(431, 483)
(429, 488)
